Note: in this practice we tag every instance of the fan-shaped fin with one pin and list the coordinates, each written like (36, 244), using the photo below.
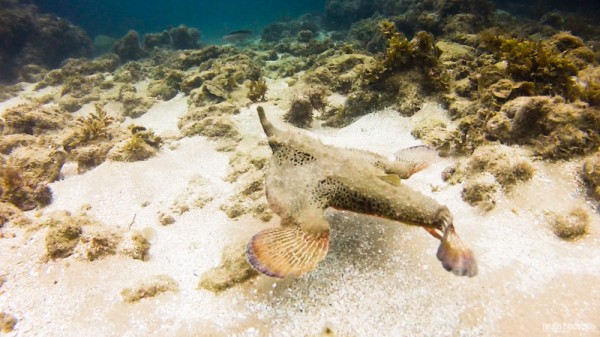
(455, 256)
(287, 251)
(419, 157)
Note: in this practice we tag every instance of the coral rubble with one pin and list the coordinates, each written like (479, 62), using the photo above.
(149, 288)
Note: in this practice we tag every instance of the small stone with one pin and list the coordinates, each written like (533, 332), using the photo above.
(165, 219)
(7, 322)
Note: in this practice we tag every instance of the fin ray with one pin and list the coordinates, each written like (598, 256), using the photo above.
(419, 157)
(455, 256)
(287, 251)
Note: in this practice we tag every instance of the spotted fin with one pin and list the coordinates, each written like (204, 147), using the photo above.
(287, 251)
(455, 256)
(418, 157)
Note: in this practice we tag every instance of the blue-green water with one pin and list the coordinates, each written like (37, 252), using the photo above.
(212, 18)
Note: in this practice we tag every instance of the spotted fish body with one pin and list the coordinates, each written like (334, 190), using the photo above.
(306, 177)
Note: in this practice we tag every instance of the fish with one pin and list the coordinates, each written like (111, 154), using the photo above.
(238, 36)
(306, 177)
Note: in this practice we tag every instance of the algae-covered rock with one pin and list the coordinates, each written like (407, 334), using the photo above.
(556, 129)
(90, 156)
(61, 239)
(7, 322)
(247, 171)
(213, 127)
(32, 119)
(505, 164)
(8, 212)
(481, 192)
(432, 131)
(300, 113)
(142, 145)
(590, 172)
(100, 244)
(128, 48)
(234, 269)
(149, 288)
(22, 189)
(569, 226)
(134, 104)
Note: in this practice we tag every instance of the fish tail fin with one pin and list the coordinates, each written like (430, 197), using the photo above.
(455, 256)
(418, 157)
(287, 251)
(269, 129)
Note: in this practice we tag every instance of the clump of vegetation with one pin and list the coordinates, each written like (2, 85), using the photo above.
(547, 63)
(421, 53)
(300, 113)
(257, 90)
(142, 145)
(571, 226)
(150, 288)
(94, 126)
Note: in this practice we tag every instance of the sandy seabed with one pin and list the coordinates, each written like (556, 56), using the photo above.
(380, 278)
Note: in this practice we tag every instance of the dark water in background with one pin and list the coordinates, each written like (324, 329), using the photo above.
(213, 18)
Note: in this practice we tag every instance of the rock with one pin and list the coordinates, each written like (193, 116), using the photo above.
(571, 226)
(61, 240)
(128, 48)
(233, 270)
(590, 173)
(7, 322)
(480, 192)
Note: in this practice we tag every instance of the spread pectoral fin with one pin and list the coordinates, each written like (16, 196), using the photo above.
(417, 157)
(455, 256)
(287, 251)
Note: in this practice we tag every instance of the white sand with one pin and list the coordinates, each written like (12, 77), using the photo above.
(380, 278)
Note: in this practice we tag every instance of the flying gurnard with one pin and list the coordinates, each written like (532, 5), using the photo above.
(306, 177)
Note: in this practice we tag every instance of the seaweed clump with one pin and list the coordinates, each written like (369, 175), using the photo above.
(257, 90)
(549, 64)
(421, 53)
(142, 144)
(89, 128)
(571, 226)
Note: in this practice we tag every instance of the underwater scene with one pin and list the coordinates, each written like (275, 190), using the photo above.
(310, 168)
